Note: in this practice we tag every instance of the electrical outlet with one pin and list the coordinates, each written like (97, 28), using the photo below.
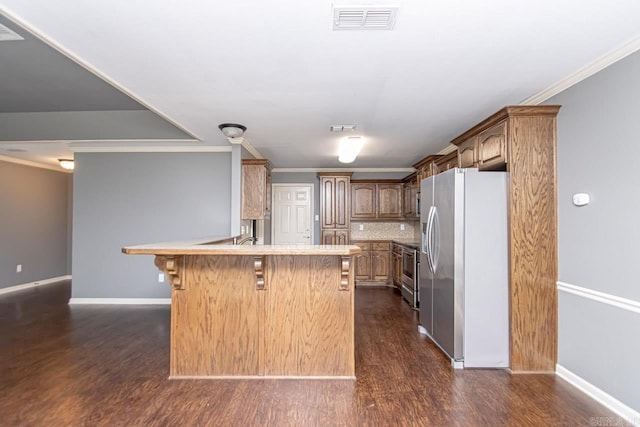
(242, 229)
(18, 268)
(317, 217)
(361, 227)
(161, 277)
(401, 227)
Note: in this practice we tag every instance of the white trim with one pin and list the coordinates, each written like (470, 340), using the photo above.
(311, 207)
(590, 69)
(46, 39)
(250, 148)
(34, 284)
(381, 170)
(121, 301)
(619, 302)
(33, 164)
(154, 149)
(74, 142)
(598, 395)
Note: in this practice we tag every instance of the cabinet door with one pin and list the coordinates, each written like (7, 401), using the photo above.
(363, 201)
(380, 265)
(254, 191)
(267, 210)
(467, 153)
(327, 237)
(389, 200)
(492, 148)
(341, 237)
(341, 202)
(327, 189)
(363, 266)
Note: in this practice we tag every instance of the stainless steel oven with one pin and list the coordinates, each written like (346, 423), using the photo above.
(410, 273)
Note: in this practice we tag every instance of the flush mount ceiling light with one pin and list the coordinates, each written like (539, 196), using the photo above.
(350, 148)
(232, 130)
(67, 164)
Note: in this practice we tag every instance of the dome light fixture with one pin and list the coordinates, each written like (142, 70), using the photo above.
(232, 130)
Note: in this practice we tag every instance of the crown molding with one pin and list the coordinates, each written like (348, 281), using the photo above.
(314, 170)
(153, 149)
(250, 148)
(34, 164)
(599, 64)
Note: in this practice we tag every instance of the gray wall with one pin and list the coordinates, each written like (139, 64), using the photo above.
(123, 199)
(33, 223)
(598, 131)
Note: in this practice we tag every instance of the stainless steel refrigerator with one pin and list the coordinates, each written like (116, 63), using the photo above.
(464, 266)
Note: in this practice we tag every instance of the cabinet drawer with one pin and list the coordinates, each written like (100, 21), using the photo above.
(380, 246)
(492, 148)
(365, 246)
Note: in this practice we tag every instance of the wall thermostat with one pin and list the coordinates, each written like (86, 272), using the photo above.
(581, 199)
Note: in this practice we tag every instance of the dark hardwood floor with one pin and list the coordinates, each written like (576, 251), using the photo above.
(64, 365)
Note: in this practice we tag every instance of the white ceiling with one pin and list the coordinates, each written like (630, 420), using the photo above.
(278, 68)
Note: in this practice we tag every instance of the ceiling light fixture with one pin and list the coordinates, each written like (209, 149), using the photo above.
(67, 164)
(232, 130)
(350, 148)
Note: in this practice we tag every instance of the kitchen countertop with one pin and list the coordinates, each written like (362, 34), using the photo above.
(411, 243)
(415, 244)
(223, 246)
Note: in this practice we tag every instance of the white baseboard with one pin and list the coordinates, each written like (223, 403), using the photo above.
(121, 301)
(599, 395)
(34, 284)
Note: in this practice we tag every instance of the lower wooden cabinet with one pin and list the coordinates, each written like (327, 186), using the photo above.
(373, 264)
(334, 237)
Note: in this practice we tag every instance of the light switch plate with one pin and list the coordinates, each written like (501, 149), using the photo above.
(361, 227)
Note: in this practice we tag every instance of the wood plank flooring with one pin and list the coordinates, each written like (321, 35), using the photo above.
(64, 365)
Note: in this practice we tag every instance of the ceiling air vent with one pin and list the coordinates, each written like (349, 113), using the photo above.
(364, 17)
(6, 34)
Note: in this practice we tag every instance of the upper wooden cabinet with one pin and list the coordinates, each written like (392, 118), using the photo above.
(256, 189)
(376, 199)
(334, 208)
(363, 200)
(390, 200)
(468, 153)
(334, 200)
(426, 167)
(410, 207)
(486, 150)
(492, 147)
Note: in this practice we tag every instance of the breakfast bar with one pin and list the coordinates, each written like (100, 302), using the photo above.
(258, 310)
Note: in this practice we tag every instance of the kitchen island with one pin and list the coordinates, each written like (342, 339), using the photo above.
(258, 310)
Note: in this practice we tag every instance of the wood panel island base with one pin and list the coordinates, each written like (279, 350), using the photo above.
(259, 311)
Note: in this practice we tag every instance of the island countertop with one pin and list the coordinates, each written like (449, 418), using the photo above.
(258, 311)
(223, 246)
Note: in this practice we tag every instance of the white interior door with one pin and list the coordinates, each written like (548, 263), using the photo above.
(292, 214)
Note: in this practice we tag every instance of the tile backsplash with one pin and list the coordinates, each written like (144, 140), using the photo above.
(385, 230)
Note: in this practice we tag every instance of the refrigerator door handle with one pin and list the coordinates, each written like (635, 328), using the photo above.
(435, 232)
(425, 236)
(429, 239)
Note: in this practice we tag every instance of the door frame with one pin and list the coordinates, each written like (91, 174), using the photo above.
(274, 206)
